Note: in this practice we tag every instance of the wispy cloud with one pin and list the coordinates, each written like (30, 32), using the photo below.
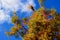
(4, 16)
(13, 5)
(25, 7)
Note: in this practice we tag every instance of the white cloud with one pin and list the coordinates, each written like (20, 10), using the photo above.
(25, 7)
(4, 17)
(10, 4)
(16, 4)
(13, 5)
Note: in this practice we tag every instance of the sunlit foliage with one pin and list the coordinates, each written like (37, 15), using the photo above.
(43, 25)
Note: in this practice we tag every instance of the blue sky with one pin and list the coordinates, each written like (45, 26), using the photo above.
(6, 24)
